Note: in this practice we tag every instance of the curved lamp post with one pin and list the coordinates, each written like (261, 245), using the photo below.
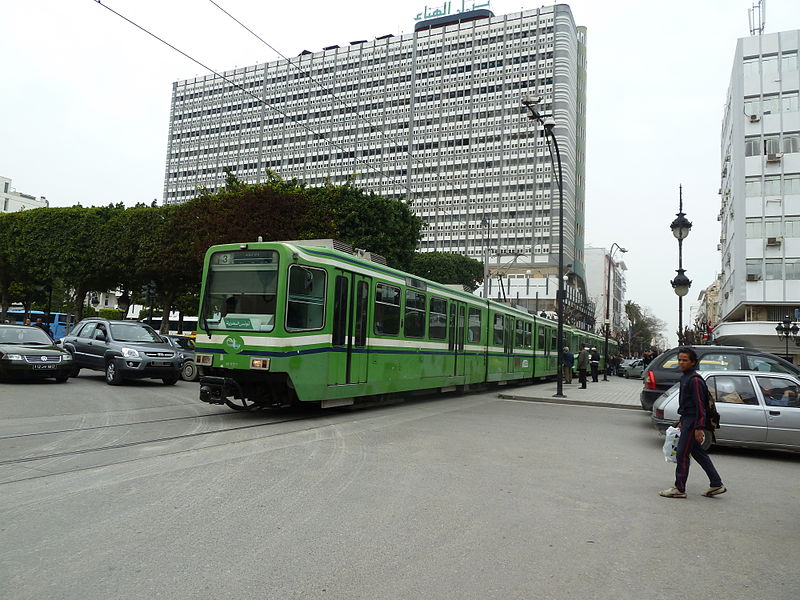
(680, 229)
(547, 126)
(785, 330)
(614, 247)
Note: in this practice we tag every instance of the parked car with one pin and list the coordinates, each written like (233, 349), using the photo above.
(631, 367)
(663, 371)
(28, 352)
(184, 346)
(758, 409)
(123, 350)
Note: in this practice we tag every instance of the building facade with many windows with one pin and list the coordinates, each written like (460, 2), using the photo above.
(433, 116)
(760, 194)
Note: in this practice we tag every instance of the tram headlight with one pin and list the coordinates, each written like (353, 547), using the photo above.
(204, 359)
(259, 363)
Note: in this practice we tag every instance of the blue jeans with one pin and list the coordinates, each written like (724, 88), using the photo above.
(688, 446)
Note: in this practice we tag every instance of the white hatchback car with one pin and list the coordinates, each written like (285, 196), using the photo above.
(756, 409)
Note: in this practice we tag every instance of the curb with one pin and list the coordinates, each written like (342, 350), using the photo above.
(570, 402)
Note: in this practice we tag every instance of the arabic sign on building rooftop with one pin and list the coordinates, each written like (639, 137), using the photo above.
(433, 12)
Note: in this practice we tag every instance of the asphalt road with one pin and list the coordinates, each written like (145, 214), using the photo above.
(142, 491)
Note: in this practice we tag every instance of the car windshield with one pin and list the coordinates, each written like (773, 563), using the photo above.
(185, 343)
(134, 332)
(24, 335)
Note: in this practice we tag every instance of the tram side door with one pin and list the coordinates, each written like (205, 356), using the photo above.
(509, 343)
(456, 332)
(350, 356)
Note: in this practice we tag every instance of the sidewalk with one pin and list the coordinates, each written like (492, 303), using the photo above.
(617, 392)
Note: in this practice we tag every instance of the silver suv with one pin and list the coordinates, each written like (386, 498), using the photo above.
(123, 350)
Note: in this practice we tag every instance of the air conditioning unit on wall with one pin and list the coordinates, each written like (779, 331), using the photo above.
(752, 277)
(774, 157)
(774, 241)
(754, 118)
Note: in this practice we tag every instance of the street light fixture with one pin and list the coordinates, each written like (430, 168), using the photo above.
(681, 284)
(124, 303)
(614, 247)
(547, 126)
(785, 330)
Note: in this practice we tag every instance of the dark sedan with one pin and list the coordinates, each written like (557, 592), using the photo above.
(29, 353)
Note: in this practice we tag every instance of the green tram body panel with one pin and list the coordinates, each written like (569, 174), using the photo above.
(325, 321)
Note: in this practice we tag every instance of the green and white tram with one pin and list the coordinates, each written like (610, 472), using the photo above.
(288, 322)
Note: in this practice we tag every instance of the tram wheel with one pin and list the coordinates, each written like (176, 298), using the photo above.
(240, 403)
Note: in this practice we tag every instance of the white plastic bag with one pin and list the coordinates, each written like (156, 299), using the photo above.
(671, 444)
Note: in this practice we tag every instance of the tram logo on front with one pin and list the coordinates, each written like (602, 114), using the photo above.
(233, 344)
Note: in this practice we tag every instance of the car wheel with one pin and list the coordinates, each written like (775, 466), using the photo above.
(113, 376)
(171, 380)
(62, 379)
(189, 371)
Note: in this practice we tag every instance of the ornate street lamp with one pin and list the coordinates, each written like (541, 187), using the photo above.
(785, 330)
(681, 284)
(547, 126)
(611, 264)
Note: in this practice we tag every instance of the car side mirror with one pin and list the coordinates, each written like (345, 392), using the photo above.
(100, 336)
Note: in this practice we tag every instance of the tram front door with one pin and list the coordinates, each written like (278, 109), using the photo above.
(350, 355)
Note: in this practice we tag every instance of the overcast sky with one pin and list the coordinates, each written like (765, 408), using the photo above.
(85, 99)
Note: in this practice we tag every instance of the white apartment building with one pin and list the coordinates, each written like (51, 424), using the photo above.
(603, 269)
(433, 116)
(14, 201)
(760, 208)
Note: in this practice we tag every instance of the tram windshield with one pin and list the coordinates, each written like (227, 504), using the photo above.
(240, 290)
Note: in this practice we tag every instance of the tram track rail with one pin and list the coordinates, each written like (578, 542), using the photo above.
(111, 425)
(158, 440)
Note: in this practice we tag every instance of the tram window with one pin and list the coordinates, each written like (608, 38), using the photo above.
(437, 328)
(474, 331)
(554, 340)
(528, 334)
(340, 306)
(497, 339)
(387, 309)
(415, 314)
(305, 303)
(540, 342)
(519, 337)
(362, 302)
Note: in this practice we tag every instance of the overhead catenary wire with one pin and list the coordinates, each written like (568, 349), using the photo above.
(236, 85)
(289, 61)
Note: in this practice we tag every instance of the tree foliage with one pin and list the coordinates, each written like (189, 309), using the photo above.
(449, 268)
(645, 328)
(58, 255)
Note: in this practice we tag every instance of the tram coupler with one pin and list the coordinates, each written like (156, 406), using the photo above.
(215, 390)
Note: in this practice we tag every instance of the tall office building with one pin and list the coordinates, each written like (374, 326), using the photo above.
(434, 116)
(760, 212)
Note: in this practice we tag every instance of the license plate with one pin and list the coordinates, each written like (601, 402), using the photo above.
(44, 366)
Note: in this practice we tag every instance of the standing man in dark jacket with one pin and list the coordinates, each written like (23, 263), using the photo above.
(594, 361)
(583, 365)
(694, 411)
(567, 361)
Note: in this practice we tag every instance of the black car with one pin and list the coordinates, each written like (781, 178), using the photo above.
(123, 350)
(663, 372)
(184, 345)
(28, 352)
